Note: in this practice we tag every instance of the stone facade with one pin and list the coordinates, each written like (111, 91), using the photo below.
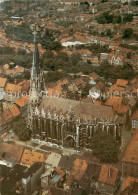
(67, 131)
(63, 122)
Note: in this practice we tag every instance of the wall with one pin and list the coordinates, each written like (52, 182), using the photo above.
(106, 189)
(134, 124)
(129, 169)
(36, 177)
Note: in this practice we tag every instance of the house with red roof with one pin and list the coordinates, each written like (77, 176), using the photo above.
(6, 116)
(115, 59)
(129, 184)
(3, 82)
(122, 83)
(130, 158)
(109, 180)
(120, 109)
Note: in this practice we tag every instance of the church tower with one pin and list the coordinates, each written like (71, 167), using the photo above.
(37, 84)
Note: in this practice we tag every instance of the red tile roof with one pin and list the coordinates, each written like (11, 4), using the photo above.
(135, 115)
(79, 168)
(15, 111)
(21, 102)
(116, 103)
(94, 75)
(116, 88)
(121, 82)
(116, 55)
(30, 157)
(12, 88)
(128, 182)
(14, 150)
(108, 175)
(7, 115)
(131, 154)
(2, 82)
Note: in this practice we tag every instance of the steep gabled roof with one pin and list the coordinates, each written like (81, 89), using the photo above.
(121, 82)
(21, 102)
(131, 154)
(14, 150)
(80, 109)
(129, 181)
(3, 82)
(108, 175)
(15, 111)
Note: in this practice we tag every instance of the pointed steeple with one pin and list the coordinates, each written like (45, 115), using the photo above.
(37, 85)
(36, 63)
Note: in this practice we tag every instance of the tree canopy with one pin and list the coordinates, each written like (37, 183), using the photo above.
(20, 33)
(115, 72)
(127, 33)
(106, 18)
(20, 128)
(128, 18)
(48, 41)
(105, 147)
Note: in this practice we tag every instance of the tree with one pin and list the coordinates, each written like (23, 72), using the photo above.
(55, 45)
(48, 41)
(115, 72)
(105, 18)
(85, 5)
(75, 58)
(134, 3)
(20, 128)
(103, 1)
(129, 55)
(6, 50)
(109, 33)
(85, 91)
(10, 79)
(63, 56)
(105, 147)
(54, 76)
(128, 32)
(20, 33)
(117, 19)
(128, 18)
(26, 75)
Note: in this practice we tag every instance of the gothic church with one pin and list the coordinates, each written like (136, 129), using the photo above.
(62, 122)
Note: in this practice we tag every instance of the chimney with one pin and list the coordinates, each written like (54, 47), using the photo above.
(110, 172)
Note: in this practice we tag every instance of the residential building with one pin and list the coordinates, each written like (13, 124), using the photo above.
(3, 82)
(29, 157)
(134, 120)
(109, 180)
(94, 76)
(30, 178)
(9, 151)
(120, 109)
(130, 186)
(116, 59)
(66, 163)
(130, 158)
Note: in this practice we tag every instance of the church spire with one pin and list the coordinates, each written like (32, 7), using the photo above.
(35, 64)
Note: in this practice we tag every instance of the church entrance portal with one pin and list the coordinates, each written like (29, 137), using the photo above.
(70, 142)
